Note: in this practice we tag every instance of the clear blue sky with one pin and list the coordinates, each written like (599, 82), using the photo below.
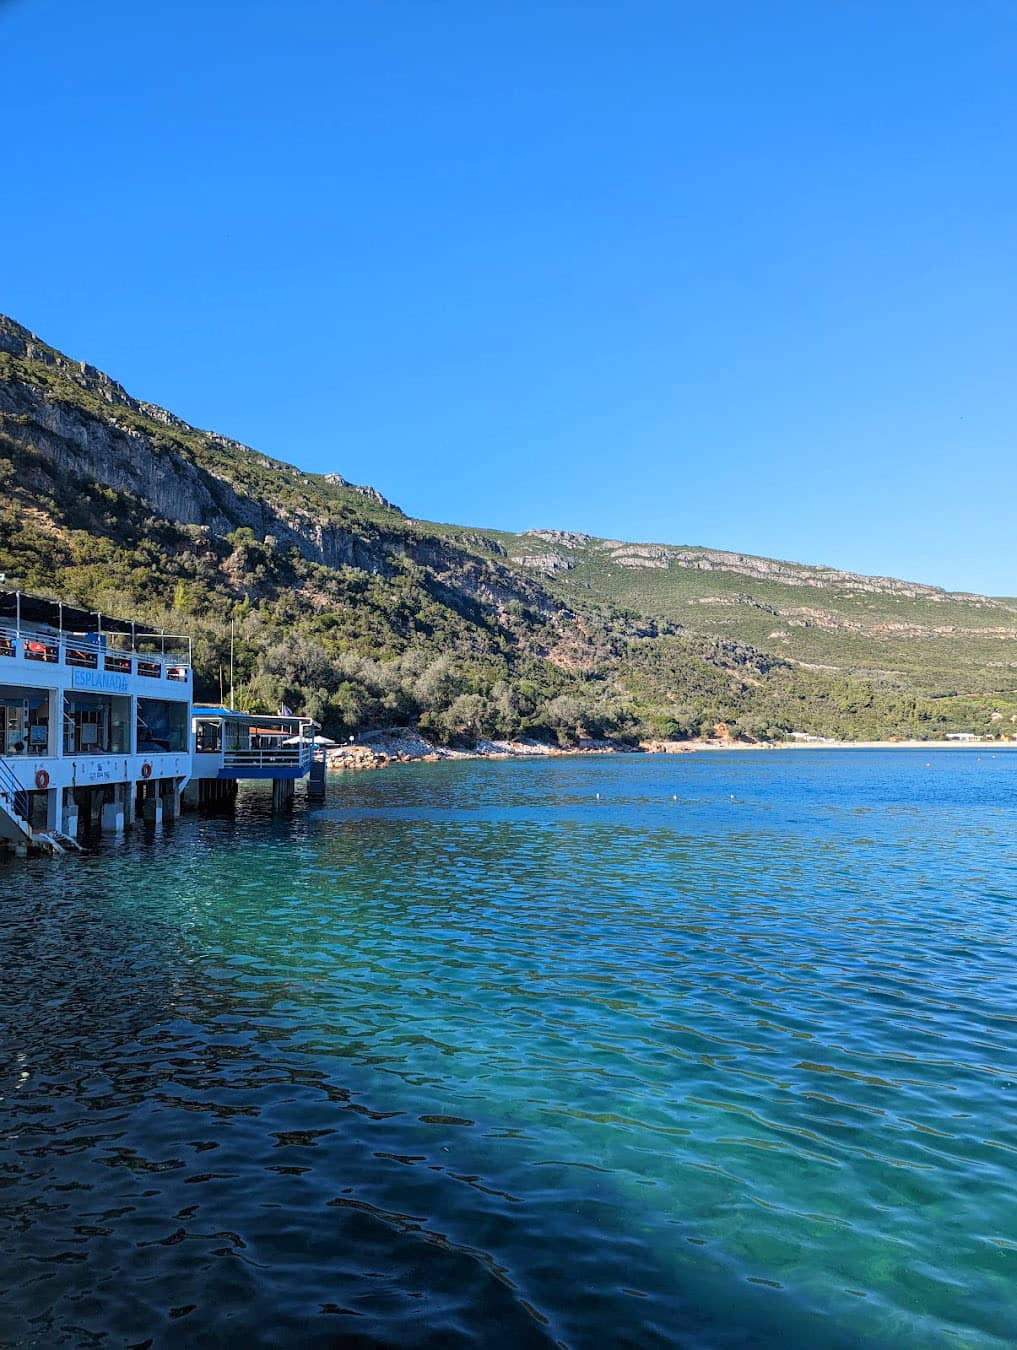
(737, 274)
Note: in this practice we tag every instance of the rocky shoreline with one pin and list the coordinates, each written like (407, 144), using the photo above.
(403, 745)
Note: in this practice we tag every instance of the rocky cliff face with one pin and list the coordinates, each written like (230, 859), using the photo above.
(82, 424)
(79, 445)
(765, 569)
(371, 494)
(664, 557)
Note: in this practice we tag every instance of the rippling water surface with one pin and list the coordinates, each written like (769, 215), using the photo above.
(724, 1056)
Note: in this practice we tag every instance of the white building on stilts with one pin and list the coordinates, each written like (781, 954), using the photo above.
(231, 745)
(95, 723)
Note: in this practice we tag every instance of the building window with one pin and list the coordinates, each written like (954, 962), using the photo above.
(24, 721)
(163, 726)
(96, 724)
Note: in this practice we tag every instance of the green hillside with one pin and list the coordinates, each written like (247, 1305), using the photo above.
(367, 617)
(937, 642)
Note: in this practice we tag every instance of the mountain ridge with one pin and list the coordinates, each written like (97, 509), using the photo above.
(640, 637)
(16, 339)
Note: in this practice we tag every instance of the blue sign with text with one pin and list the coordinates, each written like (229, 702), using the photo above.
(98, 681)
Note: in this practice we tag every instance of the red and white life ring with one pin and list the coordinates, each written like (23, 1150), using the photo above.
(41, 779)
(146, 770)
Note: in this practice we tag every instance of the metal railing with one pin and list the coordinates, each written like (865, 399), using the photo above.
(269, 757)
(13, 793)
(79, 652)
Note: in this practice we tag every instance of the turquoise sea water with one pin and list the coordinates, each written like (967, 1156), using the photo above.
(725, 1056)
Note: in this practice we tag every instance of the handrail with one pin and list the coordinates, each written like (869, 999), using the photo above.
(266, 758)
(11, 788)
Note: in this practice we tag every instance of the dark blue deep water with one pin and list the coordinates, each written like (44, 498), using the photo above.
(725, 1056)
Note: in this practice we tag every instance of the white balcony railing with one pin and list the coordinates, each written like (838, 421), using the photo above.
(71, 650)
(281, 756)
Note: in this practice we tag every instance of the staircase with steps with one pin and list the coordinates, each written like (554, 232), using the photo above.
(15, 828)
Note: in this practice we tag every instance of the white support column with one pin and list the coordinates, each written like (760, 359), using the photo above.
(170, 798)
(70, 812)
(152, 806)
(54, 809)
(113, 812)
(56, 722)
